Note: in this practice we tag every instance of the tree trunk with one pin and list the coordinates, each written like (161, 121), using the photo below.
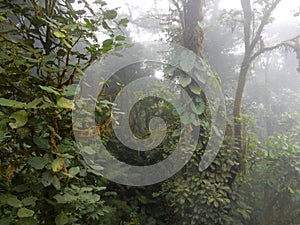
(193, 32)
(238, 103)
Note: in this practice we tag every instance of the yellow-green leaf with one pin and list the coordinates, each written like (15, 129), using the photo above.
(23, 212)
(20, 117)
(29, 201)
(14, 202)
(50, 90)
(184, 80)
(34, 103)
(65, 103)
(195, 89)
(59, 34)
(11, 103)
(57, 164)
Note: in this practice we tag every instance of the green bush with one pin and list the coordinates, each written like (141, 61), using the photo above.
(45, 47)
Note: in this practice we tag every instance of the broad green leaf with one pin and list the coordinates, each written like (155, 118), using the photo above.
(74, 171)
(70, 90)
(80, 12)
(57, 164)
(21, 188)
(120, 38)
(43, 143)
(89, 25)
(24, 212)
(67, 43)
(97, 168)
(38, 21)
(187, 61)
(199, 99)
(169, 70)
(216, 204)
(47, 178)
(29, 201)
(56, 183)
(14, 202)
(29, 42)
(11, 103)
(201, 66)
(59, 34)
(194, 120)
(65, 103)
(291, 190)
(200, 77)
(124, 22)
(50, 90)
(195, 89)
(60, 199)
(37, 162)
(20, 117)
(185, 80)
(61, 219)
(88, 150)
(107, 42)
(110, 14)
(198, 108)
(34, 103)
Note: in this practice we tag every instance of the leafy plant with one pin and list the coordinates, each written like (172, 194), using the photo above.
(45, 47)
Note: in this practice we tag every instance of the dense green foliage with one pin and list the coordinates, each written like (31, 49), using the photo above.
(45, 48)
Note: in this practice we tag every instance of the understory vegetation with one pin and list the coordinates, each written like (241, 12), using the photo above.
(47, 46)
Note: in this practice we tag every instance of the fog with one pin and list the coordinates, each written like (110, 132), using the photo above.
(271, 100)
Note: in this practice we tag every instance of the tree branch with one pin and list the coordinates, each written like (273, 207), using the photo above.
(286, 43)
(247, 23)
(263, 23)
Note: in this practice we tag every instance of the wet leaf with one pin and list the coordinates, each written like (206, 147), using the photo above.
(11, 103)
(195, 89)
(187, 61)
(37, 162)
(20, 117)
(65, 103)
(57, 164)
(50, 90)
(185, 80)
(110, 14)
(59, 34)
(24, 212)
(14, 202)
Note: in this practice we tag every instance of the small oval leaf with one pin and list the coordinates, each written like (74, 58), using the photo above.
(24, 212)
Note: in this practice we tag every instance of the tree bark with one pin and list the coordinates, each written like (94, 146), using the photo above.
(193, 34)
(251, 44)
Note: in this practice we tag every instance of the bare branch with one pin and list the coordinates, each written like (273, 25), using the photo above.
(263, 23)
(181, 13)
(287, 43)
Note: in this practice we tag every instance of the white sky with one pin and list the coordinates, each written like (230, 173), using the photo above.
(139, 7)
(284, 10)
(283, 13)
